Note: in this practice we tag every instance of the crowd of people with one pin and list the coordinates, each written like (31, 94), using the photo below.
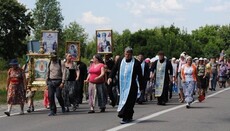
(122, 81)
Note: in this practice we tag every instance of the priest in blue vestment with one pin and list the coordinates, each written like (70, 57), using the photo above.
(129, 73)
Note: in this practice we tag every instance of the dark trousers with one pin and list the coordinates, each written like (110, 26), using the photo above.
(80, 91)
(111, 95)
(142, 97)
(214, 81)
(53, 87)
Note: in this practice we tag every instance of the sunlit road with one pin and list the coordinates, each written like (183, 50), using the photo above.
(211, 115)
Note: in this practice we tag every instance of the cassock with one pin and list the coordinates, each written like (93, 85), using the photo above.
(162, 70)
(128, 71)
(146, 73)
(82, 77)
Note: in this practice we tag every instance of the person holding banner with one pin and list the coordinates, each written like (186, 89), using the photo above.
(162, 73)
(128, 69)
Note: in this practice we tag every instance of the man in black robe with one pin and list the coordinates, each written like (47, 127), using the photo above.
(82, 77)
(109, 66)
(126, 112)
(146, 73)
(167, 78)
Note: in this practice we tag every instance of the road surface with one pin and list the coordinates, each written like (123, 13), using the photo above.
(211, 115)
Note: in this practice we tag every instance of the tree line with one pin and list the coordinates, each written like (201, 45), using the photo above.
(18, 25)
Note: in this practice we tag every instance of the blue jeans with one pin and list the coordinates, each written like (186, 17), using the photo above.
(214, 81)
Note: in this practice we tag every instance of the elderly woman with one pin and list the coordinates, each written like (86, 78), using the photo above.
(96, 79)
(16, 86)
(189, 78)
(70, 76)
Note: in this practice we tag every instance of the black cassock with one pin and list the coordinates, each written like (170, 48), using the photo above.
(168, 73)
(127, 111)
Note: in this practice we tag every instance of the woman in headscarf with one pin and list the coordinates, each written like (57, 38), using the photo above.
(189, 78)
(16, 87)
(96, 79)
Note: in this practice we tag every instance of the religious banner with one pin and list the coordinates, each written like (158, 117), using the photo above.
(50, 41)
(104, 41)
(73, 48)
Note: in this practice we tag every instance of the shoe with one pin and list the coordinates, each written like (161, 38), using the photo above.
(21, 113)
(140, 102)
(75, 107)
(181, 100)
(91, 111)
(102, 110)
(67, 109)
(125, 121)
(51, 114)
(187, 105)
(7, 113)
(29, 111)
(161, 103)
(63, 110)
(112, 104)
(32, 109)
(201, 98)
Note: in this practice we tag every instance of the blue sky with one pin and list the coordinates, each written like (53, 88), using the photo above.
(140, 14)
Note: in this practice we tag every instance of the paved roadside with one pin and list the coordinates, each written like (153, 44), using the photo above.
(16, 108)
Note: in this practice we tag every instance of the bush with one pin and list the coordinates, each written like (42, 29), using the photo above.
(3, 96)
(3, 64)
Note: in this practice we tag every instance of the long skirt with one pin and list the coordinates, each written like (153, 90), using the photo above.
(70, 93)
(16, 94)
(189, 91)
(201, 82)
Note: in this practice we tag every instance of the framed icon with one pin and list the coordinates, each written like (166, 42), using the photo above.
(73, 48)
(104, 41)
(50, 41)
(38, 69)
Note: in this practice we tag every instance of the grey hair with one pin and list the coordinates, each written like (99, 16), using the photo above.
(129, 49)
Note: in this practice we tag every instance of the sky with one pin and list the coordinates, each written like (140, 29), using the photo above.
(134, 15)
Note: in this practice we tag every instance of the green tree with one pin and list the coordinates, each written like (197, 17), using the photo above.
(91, 49)
(15, 24)
(47, 16)
(211, 50)
(75, 32)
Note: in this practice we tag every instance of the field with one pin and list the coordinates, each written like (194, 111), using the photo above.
(3, 76)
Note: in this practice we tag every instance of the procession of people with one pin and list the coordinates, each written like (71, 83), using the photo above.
(122, 81)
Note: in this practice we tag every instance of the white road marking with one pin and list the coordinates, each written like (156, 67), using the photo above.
(160, 113)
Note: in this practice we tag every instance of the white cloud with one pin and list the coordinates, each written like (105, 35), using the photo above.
(89, 18)
(218, 8)
(138, 7)
(195, 1)
(153, 21)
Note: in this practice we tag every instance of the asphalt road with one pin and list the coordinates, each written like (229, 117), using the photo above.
(211, 115)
